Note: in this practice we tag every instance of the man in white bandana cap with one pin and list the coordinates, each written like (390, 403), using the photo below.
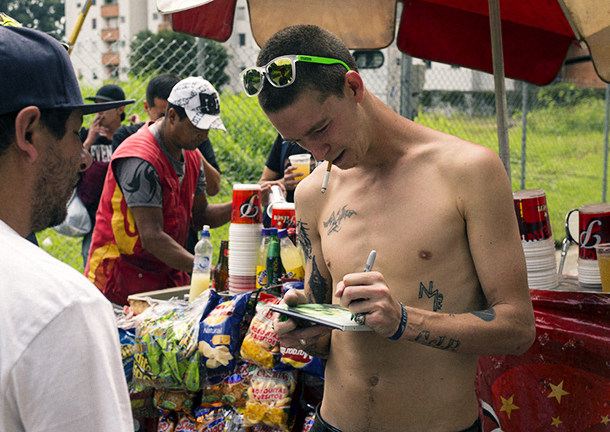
(153, 193)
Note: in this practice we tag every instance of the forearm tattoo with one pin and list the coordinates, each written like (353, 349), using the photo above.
(486, 315)
(302, 229)
(334, 221)
(317, 284)
(441, 342)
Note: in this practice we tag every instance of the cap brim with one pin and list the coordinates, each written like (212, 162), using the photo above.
(103, 106)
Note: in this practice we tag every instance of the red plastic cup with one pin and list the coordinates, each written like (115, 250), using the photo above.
(247, 207)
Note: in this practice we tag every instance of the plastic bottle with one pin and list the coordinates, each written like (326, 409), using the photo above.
(261, 258)
(202, 264)
(274, 262)
(291, 257)
(221, 271)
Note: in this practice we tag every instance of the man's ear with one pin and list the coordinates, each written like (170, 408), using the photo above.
(353, 80)
(28, 128)
(146, 108)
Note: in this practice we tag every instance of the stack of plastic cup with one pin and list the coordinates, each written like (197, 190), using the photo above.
(244, 237)
(536, 238)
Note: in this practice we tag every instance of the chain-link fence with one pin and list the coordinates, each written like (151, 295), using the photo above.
(557, 133)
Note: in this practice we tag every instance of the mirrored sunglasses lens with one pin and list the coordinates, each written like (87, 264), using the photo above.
(280, 72)
(252, 81)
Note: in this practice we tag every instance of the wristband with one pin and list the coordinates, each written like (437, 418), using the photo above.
(403, 324)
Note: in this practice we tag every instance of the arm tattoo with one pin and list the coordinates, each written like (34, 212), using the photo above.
(486, 315)
(335, 220)
(317, 284)
(438, 297)
(304, 239)
(440, 343)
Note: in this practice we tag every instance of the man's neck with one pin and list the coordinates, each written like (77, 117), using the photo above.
(173, 150)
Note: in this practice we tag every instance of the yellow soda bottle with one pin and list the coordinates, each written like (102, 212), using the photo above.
(291, 257)
(261, 258)
(202, 265)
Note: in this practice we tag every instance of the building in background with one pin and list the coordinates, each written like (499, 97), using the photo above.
(105, 35)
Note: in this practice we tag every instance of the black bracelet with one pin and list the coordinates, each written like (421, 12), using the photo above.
(403, 324)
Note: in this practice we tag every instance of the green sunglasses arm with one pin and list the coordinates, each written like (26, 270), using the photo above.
(321, 60)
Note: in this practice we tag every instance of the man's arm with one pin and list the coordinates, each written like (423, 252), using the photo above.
(506, 325)
(214, 215)
(149, 221)
(315, 340)
(212, 178)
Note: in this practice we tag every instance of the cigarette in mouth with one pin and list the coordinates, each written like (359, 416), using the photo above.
(326, 176)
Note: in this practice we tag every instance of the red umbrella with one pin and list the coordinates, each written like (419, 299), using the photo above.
(535, 34)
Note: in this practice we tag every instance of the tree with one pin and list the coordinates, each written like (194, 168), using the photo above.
(177, 53)
(48, 16)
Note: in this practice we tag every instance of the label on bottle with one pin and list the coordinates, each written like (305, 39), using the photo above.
(201, 263)
(296, 273)
(261, 277)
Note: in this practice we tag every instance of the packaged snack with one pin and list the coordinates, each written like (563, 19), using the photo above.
(174, 400)
(261, 345)
(166, 346)
(295, 358)
(185, 424)
(269, 399)
(167, 422)
(211, 419)
(219, 333)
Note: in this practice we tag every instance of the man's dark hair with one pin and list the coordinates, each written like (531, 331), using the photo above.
(160, 87)
(179, 110)
(53, 119)
(305, 40)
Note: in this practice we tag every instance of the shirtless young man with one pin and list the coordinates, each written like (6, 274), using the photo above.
(439, 212)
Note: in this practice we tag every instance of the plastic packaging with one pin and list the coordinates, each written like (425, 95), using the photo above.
(291, 257)
(261, 258)
(202, 264)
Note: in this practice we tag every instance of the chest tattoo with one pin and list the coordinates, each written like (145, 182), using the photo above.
(334, 221)
(430, 293)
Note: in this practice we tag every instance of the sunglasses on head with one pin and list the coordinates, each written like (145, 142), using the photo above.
(280, 72)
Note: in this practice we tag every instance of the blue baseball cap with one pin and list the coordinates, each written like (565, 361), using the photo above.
(35, 70)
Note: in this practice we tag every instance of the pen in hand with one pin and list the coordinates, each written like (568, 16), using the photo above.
(370, 261)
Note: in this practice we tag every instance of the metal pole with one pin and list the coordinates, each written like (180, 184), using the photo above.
(498, 64)
(79, 24)
(524, 98)
(607, 127)
(406, 83)
(201, 57)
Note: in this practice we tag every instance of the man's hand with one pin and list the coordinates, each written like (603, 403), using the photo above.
(293, 336)
(266, 189)
(367, 293)
(94, 131)
(289, 182)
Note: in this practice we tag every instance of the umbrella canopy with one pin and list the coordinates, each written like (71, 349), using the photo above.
(536, 35)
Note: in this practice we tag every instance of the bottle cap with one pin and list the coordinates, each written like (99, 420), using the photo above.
(206, 231)
(265, 232)
(272, 231)
(283, 233)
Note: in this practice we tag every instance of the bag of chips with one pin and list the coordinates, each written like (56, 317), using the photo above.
(219, 333)
(261, 344)
(166, 354)
(270, 398)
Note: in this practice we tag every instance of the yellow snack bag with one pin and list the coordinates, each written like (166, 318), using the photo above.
(261, 345)
(270, 398)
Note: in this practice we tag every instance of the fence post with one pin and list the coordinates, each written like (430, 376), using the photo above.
(524, 98)
(406, 82)
(200, 56)
(606, 128)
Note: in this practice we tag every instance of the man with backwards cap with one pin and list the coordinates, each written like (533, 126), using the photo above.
(153, 192)
(60, 361)
(98, 141)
